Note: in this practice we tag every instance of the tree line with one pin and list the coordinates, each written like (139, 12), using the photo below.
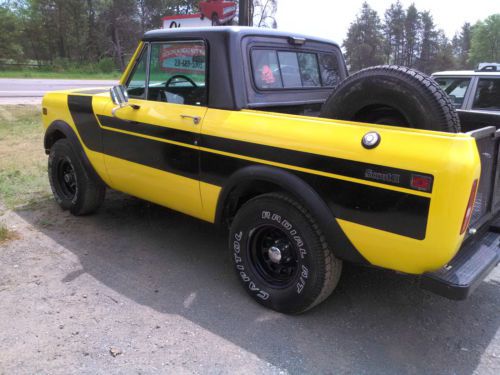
(58, 32)
(410, 37)
(101, 33)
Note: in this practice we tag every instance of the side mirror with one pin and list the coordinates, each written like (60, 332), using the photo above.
(119, 96)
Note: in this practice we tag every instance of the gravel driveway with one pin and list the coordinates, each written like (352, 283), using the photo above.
(137, 288)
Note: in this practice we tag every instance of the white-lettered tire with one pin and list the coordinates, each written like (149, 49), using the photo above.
(73, 186)
(280, 255)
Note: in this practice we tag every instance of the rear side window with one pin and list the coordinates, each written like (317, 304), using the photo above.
(329, 68)
(487, 94)
(274, 69)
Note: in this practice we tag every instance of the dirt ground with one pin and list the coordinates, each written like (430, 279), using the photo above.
(137, 288)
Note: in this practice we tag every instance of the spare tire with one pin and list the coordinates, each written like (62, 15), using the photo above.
(392, 95)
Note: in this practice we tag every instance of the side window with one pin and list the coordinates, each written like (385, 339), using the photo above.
(309, 70)
(177, 73)
(487, 94)
(329, 67)
(266, 70)
(136, 85)
(455, 88)
(275, 69)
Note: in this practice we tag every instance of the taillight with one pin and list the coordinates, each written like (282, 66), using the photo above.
(422, 183)
(470, 207)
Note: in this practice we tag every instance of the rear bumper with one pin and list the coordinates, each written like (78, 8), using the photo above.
(474, 261)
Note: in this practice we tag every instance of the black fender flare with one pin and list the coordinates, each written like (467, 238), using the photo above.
(60, 129)
(288, 182)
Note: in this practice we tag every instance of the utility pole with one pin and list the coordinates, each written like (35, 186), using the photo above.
(244, 14)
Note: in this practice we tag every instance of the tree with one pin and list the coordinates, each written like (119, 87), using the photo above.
(443, 58)
(428, 45)
(394, 30)
(9, 35)
(122, 28)
(412, 28)
(485, 45)
(263, 12)
(461, 44)
(364, 42)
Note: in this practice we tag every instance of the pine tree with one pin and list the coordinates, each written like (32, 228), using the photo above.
(428, 45)
(411, 35)
(394, 30)
(364, 42)
(461, 44)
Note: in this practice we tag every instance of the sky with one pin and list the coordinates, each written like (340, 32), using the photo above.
(330, 19)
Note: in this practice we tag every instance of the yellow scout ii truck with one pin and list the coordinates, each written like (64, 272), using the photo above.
(235, 126)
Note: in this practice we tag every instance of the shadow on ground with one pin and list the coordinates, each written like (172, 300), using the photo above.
(375, 322)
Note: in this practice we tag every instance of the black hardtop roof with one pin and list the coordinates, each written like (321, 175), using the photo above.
(233, 31)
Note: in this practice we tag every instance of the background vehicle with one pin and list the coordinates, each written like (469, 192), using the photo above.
(212, 12)
(218, 11)
(226, 137)
(475, 95)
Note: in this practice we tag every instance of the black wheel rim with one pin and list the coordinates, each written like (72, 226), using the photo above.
(273, 256)
(66, 178)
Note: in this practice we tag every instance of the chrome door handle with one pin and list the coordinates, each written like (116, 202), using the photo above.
(196, 119)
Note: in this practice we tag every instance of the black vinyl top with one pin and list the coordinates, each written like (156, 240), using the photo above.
(235, 32)
(229, 72)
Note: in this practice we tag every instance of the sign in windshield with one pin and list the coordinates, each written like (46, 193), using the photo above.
(188, 58)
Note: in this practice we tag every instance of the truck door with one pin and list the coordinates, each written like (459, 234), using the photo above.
(151, 149)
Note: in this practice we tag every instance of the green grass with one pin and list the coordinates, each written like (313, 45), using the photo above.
(6, 234)
(60, 75)
(23, 163)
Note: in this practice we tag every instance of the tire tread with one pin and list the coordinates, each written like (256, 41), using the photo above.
(441, 100)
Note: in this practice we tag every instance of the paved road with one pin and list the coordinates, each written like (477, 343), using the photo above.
(35, 88)
(158, 287)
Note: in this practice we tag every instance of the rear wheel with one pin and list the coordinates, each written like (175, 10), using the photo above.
(392, 95)
(280, 255)
(73, 186)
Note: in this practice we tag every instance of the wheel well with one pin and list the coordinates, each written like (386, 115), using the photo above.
(241, 194)
(381, 114)
(52, 138)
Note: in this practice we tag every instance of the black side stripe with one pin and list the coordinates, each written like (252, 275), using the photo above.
(83, 116)
(307, 160)
(170, 134)
(392, 211)
(328, 164)
(168, 157)
(396, 212)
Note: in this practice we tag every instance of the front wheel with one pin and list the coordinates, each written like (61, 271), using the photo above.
(74, 187)
(280, 255)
